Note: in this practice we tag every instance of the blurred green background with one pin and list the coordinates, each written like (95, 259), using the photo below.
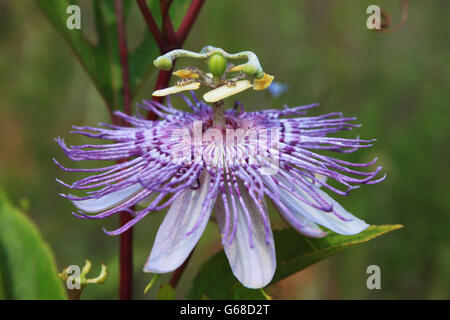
(396, 84)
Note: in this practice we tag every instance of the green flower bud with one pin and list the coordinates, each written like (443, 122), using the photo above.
(217, 64)
(163, 63)
(249, 69)
(259, 75)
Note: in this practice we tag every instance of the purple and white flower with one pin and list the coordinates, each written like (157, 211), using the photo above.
(235, 185)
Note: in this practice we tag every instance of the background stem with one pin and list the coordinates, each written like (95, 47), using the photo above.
(126, 260)
(219, 114)
(126, 238)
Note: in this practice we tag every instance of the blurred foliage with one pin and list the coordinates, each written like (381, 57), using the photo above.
(397, 84)
(101, 59)
(166, 292)
(27, 266)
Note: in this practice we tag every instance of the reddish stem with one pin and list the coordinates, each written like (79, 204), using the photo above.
(168, 31)
(126, 260)
(126, 238)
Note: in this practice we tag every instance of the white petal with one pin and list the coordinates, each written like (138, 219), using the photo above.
(107, 201)
(172, 244)
(300, 223)
(253, 267)
(175, 89)
(226, 91)
(329, 220)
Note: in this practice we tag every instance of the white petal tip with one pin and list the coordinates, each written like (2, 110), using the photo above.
(157, 268)
(354, 227)
(107, 201)
(256, 284)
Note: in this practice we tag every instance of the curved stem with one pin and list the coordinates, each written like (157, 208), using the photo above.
(389, 19)
(168, 31)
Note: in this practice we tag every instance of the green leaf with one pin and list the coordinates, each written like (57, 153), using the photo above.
(294, 253)
(216, 281)
(27, 266)
(108, 46)
(303, 251)
(166, 292)
(94, 61)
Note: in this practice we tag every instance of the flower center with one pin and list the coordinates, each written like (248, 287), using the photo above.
(225, 79)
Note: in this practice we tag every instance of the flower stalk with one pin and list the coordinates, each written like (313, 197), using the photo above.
(219, 114)
(78, 283)
(126, 239)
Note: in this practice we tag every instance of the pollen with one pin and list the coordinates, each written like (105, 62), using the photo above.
(185, 74)
(263, 83)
